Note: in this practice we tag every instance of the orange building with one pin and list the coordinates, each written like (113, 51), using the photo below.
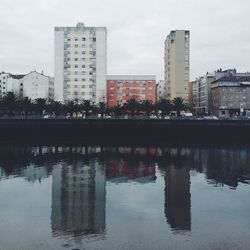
(122, 88)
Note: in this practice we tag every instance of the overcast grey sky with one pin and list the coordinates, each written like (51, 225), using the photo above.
(220, 34)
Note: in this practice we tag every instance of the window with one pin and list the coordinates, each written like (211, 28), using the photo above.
(76, 39)
(76, 66)
(94, 39)
(76, 59)
(76, 45)
(83, 39)
(76, 80)
(83, 66)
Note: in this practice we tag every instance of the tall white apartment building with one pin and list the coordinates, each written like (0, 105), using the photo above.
(80, 63)
(177, 54)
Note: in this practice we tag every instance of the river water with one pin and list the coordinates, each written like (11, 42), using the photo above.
(93, 197)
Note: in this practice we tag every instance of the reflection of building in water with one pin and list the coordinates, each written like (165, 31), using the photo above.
(177, 198)
(32, 173)
(78, 199)
(122, 171)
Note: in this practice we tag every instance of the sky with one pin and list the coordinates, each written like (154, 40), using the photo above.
(219, 33)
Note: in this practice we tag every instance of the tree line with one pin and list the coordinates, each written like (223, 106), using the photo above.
(12, 106)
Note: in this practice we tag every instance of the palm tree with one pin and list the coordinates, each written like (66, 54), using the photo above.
(70, 107)
(10, 102)
(40, 104)
(147, 106)
(102, 108)
(25, 105)
(165, 106)
(55, 106)
(179, 105)
(87, 106)
(131, 105)
(117, 109)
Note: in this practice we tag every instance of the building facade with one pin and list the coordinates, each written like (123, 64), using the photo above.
(3, 83)
(15, 85)
(177, 53)
(80, 63)
(231, 95)
(161, 90)
(203, 84)
(36, 85)
(122, 88)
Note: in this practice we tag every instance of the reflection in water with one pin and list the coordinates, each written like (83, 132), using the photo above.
(78, 199)
(79, 176)
(177, 198)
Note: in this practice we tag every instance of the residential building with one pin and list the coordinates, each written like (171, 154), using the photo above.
(80, 63)
(3, 83)
(193, 95)
(15, 84)
(37, 85)
(121, 88)
(231, 94)
(177, 51)
(203, 104)
(161, 90)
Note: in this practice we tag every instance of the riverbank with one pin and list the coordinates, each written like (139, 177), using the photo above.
(122, 130)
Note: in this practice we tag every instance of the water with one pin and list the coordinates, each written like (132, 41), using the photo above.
(124, 198)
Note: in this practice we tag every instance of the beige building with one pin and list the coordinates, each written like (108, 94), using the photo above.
(177, 50)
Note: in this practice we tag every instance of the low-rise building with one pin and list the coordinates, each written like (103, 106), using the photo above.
(15, 84)
(37, 85)
(231, 94)
(121, 88)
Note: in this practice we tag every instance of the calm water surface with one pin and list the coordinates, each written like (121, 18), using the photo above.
(124, 198)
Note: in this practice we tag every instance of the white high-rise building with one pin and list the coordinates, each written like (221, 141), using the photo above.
(177, 53)
(80, 63)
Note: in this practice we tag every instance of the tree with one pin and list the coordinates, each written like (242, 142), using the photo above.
(25, 105)
(165, 106)
(55, 106)
(132, 106)
(102, 108)
(70, 107)
(10, 102)
(40, 104)
(87, 106)
(179, 105)
(147, 106)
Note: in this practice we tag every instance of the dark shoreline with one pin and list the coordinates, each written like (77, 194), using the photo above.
(125, 131)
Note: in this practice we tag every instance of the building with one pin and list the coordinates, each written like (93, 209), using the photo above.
(37, 85)
(192, 95)
(161, 90)
(3, 83)
(80, 63)
(231, 94)
(121, 88)
(203, 84)
(15, 84)
(177, 50)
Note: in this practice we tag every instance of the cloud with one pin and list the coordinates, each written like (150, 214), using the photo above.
(136, 32)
